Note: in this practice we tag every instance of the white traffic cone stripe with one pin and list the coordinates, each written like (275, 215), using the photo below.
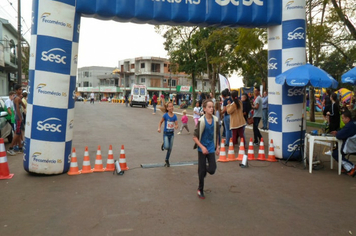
(98, 152)
(110, 161)
(74, 164)
(86, 154)
(122, 160)
(122, 151)
(241, 152)
(110, 152)
(74, 155)
(86, 163)
(98, 162)
(3, 159)
(231, 152)
(2, 148)
(223, 153)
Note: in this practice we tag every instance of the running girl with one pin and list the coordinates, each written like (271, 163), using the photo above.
(170, 123)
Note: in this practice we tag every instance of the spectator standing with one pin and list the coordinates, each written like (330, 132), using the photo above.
(126, 100)
(92, 97)
(154, 103)
(162, 100)
(265, 110)
(18, 122)
(326, 105)
(257, 114)
(334, 113)
(237, 121)
(9, 106)
(227, 100)
(246, 105)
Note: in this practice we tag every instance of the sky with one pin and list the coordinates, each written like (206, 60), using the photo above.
(101, 43)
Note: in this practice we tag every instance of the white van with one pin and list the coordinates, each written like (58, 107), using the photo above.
(138, 95)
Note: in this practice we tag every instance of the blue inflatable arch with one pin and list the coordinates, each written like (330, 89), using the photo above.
(54, 52)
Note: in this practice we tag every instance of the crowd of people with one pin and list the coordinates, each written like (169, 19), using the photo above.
(15, 106)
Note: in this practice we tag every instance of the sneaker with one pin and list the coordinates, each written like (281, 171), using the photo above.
(328, 153)
(20, 150)
(201, 194)
(352, 172)
(179, 133)
(162, 148)
(256, 144)
(11, 152)
(167, 163)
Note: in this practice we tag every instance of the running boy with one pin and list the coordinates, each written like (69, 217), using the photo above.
(170, 123)
(206, 137)
(184, 122)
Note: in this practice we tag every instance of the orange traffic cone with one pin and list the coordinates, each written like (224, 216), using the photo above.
(74, 170)
(241, 150)
(98, 167)
(261, 151)
(86, 163)
(4, 166)
(110, 166)
(250, 152)
(122, 160)
(231, 152)
(271, 156)
(222, 155)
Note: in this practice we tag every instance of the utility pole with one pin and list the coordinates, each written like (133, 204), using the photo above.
(19, 39)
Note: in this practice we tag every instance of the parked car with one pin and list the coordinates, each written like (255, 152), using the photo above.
(5, 127)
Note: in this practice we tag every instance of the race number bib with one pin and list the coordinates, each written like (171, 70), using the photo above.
(170, 125)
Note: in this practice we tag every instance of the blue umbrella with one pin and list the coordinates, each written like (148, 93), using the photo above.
(349, 77)
(307, 75)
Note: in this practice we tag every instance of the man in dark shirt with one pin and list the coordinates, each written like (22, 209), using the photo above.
(346, 132)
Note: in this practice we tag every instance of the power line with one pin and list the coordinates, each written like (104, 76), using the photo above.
(23, 19)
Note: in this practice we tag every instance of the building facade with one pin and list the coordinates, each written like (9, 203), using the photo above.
(8, 57)
(154, 72)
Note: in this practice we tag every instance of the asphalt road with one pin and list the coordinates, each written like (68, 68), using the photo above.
(263, 199)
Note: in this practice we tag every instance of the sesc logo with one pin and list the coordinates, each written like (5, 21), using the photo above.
(272, 65)
(295, 92)
(293, 146)
(237, 2)
(272, 118)
(52, 57)
(48, 125)
(296, 34)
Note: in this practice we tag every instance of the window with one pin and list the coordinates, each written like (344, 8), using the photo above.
(143, 80)
(85, 84)
(86, 73)
(142, 65)
(173, 83)
(204, 83)
(165, 65)
(164, 80)
(132, 66)
(155, 67)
